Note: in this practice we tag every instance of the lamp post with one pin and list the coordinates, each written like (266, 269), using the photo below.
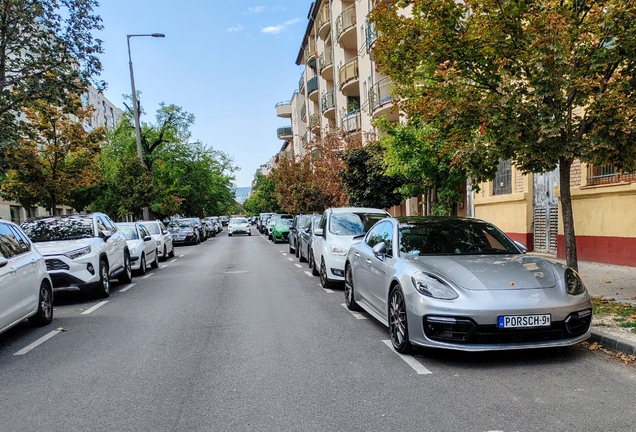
(136, 111)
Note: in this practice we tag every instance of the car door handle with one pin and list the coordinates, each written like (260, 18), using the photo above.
(368, 261)
(356, 254)
(13, 270)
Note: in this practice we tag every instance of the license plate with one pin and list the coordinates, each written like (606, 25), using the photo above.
(523, 321)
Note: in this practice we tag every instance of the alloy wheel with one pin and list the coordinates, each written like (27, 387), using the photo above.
(397, 322)
(46, 302)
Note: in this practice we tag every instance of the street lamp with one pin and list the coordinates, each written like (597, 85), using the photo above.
(135, 106)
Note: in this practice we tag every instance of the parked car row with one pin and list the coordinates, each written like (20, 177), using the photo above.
(443, 282)
(80, 253)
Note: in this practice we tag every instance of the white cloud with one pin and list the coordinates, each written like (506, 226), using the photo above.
(256, 9)
(279, 28)
(235, 28)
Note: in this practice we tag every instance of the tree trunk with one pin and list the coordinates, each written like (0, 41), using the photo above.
(567, 214)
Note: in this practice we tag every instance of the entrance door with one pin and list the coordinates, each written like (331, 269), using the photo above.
(546, 211)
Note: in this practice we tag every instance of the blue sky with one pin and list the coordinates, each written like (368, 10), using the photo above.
(228, 62)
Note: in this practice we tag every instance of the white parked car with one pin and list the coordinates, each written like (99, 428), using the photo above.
(336, 232)
(163, 238)
(143, 248)
(82, 252)
(239, 225)
(26, 290)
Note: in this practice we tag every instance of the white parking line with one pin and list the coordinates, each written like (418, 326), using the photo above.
(181, 256)
(37, 342)
(94, 308)
(417, 366)
(147, 276)
(284, 254)
(298, 265)
(174, 260)
(291, 259)
(326, 289)
(164, 266)
(308, 273)
(358, 315)
(126, 288)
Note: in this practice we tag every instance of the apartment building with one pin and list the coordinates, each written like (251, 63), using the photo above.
(106, 114)
(341, 88)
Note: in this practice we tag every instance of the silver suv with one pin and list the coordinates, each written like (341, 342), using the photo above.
(82, 252)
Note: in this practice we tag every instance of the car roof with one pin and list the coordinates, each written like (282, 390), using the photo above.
(357, 210)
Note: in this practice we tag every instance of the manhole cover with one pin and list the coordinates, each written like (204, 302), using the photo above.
(236, 271)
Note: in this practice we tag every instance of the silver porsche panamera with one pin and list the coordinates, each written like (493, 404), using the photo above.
(460, 283)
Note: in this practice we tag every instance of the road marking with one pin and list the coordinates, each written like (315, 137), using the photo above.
(37, 342)
(147, 276)
(308, 273)
(284, 254)
(127, 287)
(358, 315)
(181, 256)
(164, 266)
(326, 289)
(174, 260)
(291, 259)
(298, 265)
(94, 308)
(417, 366)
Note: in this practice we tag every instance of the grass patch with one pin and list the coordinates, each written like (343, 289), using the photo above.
(623, 314)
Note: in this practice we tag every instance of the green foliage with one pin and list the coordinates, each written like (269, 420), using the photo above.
(264, 198)
(366, 181)
(49, 53)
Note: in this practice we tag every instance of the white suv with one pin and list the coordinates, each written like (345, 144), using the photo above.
(82, 252)
(336, 232)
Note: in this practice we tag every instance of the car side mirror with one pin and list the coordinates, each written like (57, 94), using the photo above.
(147, 238)
(106, 234)
(3, 261)
(164, 232)
(521, 246)
(379, 251)
(319, 232)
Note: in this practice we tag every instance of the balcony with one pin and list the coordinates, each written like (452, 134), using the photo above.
(328, 104)
(346, 28)
(284, 109)
(325, 64)
(301, 85)
(380, 98)
(312, 89)
(314, 123)
(348, 78)
(370, 36)
(323, 22)
(285, 133)
(310, 53)
(303, 112)
(351, 121)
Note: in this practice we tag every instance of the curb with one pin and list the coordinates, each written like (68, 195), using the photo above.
(613, 343)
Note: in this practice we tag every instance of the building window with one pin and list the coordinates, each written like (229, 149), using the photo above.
(15, 214)
(502, 184)
(607, 174)
(31, 212)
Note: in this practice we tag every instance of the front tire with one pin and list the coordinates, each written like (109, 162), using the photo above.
(312, 264)
(398, 326)
(349, 292)
(126, 276)
(171, 254)
(164, 256)
(104, 280)
(142, 265)
(44, 315)
(324, 281)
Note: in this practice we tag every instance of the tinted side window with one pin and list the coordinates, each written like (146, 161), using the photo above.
(387, 237)
(25, 245)
(143, 231)
(323, 222)
(375, 235)
(9, 245)
(109, 223)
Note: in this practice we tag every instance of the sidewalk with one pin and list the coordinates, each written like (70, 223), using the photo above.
(614, 283)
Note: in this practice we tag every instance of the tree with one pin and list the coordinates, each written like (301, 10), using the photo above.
(297, 188)
(365, 178)
(264, 198)
(47, 53)
(55, 156)
(541, 83)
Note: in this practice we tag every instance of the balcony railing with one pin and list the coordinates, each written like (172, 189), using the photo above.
(326, 59)
(310, 52)
(312, 85)
(380, 94)
(351, 121)
(283, 109)
(371, 36)
(607, 174)
(348, 72)
(345, 20)
(323, 20)
(328, 101)
(284, 132)
(303, 112)
(301, 84)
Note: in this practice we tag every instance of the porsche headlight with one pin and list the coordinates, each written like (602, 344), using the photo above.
(338, 251)
(574, 283)
(78, 252)
(433, 287)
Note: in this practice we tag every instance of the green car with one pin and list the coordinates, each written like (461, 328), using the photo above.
(280, 231)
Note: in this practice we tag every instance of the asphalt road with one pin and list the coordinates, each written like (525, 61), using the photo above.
(235, 335)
